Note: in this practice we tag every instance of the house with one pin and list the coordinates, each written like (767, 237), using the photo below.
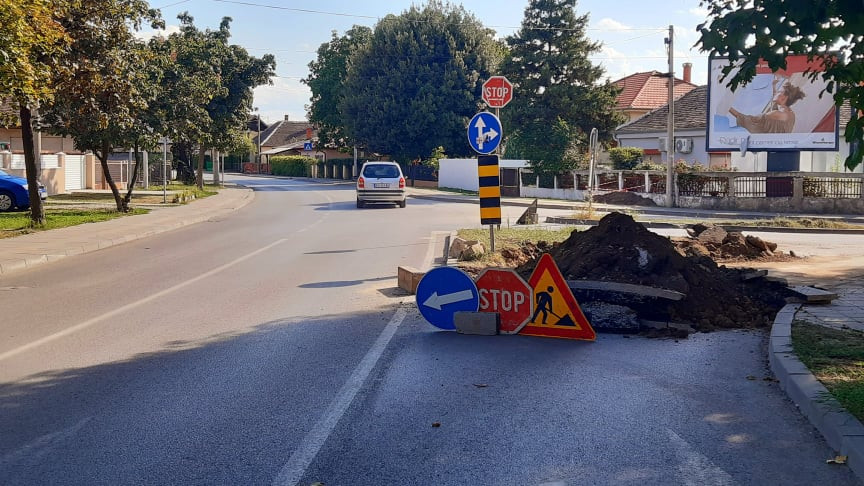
(647, 91)
(650, 132)
(286, 137)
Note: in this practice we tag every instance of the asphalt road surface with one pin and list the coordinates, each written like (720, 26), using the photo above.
(272, 347)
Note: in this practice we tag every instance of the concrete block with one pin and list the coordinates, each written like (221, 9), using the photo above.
(813, 295)
(409, 278)
(807, 392)
(480, 323)
(853, 448)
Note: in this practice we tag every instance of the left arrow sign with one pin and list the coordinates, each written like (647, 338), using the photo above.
(435, 301)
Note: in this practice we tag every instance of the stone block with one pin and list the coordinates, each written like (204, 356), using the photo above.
(409, 278)
(479, 323)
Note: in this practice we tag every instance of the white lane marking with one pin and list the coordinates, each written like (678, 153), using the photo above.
(40, 446)
(128, 307)
(695, 468)
(300, 460)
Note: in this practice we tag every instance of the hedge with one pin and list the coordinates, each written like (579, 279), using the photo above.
(291, 165)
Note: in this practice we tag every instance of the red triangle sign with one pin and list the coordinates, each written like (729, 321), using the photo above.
(556, 312)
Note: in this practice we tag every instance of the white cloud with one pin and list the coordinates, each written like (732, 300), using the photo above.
(700, 12)
(146, 35)
(610, 24)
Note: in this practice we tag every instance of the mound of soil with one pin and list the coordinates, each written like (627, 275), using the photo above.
(621, 250)
(722, 246)
(624, 198)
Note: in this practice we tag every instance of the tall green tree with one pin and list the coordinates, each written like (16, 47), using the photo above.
(746, 31)
(109, 85)
(415, 85)
(326, 80)
(31, 42)
(558, 93)
(208, 89)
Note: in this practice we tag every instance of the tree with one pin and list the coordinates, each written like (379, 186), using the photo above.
(207, 89)
(108, 86)
(559, 96)
(326, 80)
(747, 31)
(31, 41)
(416, 84)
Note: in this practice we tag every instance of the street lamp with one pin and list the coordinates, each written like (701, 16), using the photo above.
(258, 116)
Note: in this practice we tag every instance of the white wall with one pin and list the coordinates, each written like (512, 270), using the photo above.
(651, 141)
(462, 173)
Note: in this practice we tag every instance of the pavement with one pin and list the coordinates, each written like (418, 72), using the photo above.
(842, 431)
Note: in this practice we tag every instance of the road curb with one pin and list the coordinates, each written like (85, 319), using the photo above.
(842, 431)
(62, 250)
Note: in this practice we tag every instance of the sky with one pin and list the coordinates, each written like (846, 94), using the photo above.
(632, 33)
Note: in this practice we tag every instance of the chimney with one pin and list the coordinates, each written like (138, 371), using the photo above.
(286, 118)
(687, 71)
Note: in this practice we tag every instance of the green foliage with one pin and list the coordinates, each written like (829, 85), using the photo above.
(326, 80)
(649, 165)
(559, 88)
(434, 157)
(748, 32)
(291, 165)
(625, 158)
(548, 151)
(416, 83)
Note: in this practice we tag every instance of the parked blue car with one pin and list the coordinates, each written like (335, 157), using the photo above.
(14, 194)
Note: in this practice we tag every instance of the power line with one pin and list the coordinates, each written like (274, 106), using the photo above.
(372, 17)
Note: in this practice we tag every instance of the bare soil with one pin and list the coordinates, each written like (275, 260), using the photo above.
(624, 198)
(619, 249)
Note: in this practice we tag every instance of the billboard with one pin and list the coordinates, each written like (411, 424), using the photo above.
(776, 111)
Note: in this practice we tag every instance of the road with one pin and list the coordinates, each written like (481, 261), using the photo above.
(271, 347)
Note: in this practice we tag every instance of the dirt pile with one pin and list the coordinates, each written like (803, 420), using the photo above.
(715, 242)
(619, 249)
(624, 198)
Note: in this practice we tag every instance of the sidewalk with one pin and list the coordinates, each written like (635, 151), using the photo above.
(28, 251)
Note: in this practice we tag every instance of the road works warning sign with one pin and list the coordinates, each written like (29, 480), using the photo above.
(556, 312)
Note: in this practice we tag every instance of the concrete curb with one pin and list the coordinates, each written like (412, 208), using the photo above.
(842, 431)
(54, 245)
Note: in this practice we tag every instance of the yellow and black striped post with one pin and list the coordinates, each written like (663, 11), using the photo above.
(490, 189)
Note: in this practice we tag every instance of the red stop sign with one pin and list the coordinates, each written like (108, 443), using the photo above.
(497, 92)
(505, 292)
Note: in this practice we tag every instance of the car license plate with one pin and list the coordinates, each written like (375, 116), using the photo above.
(381, 186)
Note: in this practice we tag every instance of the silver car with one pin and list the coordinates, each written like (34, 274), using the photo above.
(380, 182)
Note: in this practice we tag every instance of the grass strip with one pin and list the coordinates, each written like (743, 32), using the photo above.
(18, 223)
(836, 358)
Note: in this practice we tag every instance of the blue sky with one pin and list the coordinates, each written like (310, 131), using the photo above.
(632, 32)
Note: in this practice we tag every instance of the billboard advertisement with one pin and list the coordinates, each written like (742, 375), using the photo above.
(776, 111)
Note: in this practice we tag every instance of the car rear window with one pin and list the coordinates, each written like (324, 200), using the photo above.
(381, 171)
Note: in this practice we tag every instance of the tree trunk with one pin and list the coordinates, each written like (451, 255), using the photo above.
(201, 154)
(103, 161)
(37, 210)
(133, 179)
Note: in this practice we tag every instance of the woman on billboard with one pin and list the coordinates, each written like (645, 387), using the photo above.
(778, 116)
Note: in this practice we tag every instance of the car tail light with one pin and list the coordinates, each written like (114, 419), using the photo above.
(401, 183)
(361, 184)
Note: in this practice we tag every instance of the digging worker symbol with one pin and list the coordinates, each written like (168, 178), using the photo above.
(543, 302)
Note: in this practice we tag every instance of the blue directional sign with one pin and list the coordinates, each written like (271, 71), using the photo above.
(484, 132)
(442, 292)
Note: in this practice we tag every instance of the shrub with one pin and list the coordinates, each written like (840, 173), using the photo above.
(649, 165)
(291, 165)
(625, 158)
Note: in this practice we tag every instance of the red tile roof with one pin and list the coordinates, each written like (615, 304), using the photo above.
(648, 90)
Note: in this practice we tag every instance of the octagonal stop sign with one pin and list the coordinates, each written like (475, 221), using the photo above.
(497, 92)
(502, 290)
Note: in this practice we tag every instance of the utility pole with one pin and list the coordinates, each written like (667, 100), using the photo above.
(258, 115)
(670, 124)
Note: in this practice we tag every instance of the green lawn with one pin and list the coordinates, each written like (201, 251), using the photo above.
(18, 223)
(836, 358)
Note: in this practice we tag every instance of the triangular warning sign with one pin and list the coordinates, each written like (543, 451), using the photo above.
(556, 312)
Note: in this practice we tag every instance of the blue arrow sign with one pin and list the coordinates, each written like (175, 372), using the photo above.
(442, 292)
(484, 132)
